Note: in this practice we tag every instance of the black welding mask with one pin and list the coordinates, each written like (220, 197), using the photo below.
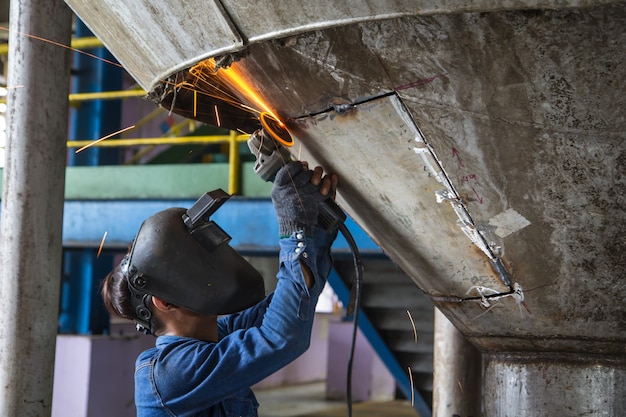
(184, 258)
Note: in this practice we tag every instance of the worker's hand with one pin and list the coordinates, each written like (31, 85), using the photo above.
(327, 183)
(297, 193)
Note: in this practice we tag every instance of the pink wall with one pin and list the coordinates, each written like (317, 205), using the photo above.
(94, 374)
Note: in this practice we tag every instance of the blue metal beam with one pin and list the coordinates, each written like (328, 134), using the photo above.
(251, 223)
(378, 344)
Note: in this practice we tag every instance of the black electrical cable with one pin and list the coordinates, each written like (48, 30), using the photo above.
(356, 293)
(330, 216)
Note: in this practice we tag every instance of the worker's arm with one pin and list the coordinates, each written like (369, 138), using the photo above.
(296, 195)
(205, 372)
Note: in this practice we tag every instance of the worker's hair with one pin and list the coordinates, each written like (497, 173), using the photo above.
(117, 297)
(116, 294)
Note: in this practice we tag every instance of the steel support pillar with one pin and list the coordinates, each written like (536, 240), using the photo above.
(457, 380)
(547, 384)
(32, 204)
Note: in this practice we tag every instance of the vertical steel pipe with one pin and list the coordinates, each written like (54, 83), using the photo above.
(32, 204)
(457, 380)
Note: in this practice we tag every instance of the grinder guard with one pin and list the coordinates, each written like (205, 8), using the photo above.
(194, 268)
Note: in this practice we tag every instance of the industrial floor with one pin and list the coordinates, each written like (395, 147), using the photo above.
(309, 400)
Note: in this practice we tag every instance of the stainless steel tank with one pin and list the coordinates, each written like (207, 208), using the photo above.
(480, 144)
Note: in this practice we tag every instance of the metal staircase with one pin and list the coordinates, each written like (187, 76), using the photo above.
(394, 312)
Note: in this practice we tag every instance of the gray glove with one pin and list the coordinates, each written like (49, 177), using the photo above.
(295, 199)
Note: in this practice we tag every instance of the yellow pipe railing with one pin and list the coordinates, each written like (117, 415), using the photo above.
(106, 95)
(233, 140)
(233, 164)
(185, 140)
(88, 42)
(101, 95)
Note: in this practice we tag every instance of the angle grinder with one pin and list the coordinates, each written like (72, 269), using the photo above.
(269, 146)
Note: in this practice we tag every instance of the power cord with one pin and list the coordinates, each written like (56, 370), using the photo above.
(353, 307)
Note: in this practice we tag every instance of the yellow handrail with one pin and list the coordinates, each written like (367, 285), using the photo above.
(232, 139)
(106, 95)
(100, 95)
(87, 42)
(184, 140)
(233, 164)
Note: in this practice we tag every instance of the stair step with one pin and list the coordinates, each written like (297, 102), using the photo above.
(398, 309)
(405, 342)
(374, 271)
(423, 381)
(405, 296)
(397, 319)
(421, 363)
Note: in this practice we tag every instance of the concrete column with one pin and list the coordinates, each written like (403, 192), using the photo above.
(457, 381)
(32, 204)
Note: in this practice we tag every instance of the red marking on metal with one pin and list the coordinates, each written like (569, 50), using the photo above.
(420, 82)
(470, 177)
(455, 153)
(480, 199)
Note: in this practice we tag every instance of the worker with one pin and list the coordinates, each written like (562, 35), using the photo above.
(205, 361)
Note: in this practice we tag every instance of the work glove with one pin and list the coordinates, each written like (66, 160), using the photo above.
(295, 199)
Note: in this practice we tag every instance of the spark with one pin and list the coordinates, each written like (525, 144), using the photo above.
(39, 38)
(412, 387)
(230, 86)
(460, 387)
(252, 109)
(208, 83)
(105, 137)
(101, 244)
(412, 325)
(235, 77)
(217, 117)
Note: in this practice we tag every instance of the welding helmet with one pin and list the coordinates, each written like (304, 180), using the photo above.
(184, 258)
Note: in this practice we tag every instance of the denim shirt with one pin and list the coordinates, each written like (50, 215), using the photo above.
(183, 376)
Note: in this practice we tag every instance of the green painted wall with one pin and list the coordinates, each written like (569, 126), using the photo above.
(157, 181)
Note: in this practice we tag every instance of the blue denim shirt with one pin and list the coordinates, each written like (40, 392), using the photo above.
(188, 377)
